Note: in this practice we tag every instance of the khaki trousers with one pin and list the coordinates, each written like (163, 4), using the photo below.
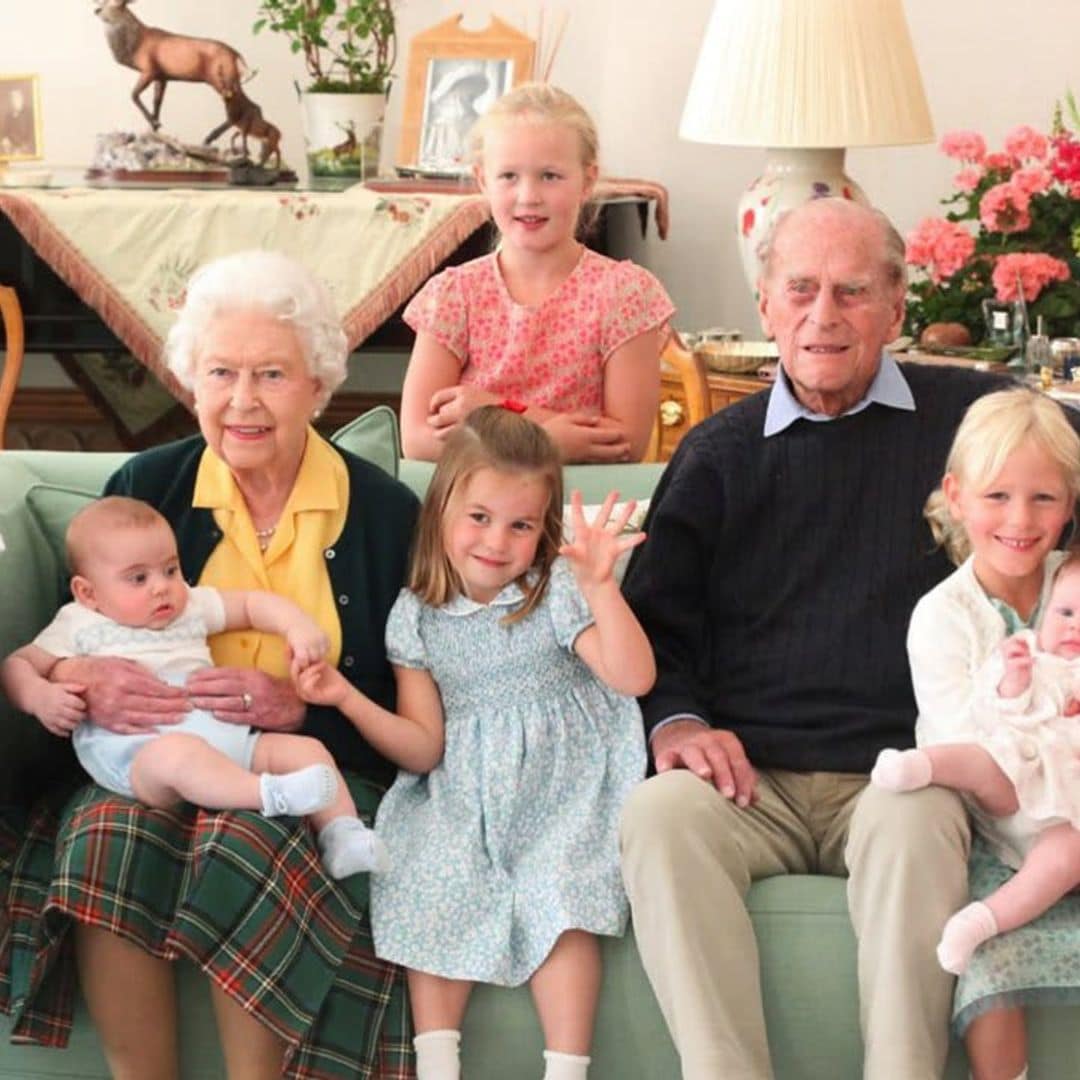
(689, 856)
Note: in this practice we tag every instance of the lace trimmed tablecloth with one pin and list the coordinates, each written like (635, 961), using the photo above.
(129, 253)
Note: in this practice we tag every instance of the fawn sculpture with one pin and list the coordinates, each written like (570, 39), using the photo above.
(246, 117)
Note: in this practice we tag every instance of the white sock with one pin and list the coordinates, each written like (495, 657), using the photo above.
(437, 1055)
(559, 1066)
(349, 847)
(901, 770)
(963, 934)
(297, 793)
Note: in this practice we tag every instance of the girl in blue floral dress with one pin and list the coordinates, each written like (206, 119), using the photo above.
(518, 739)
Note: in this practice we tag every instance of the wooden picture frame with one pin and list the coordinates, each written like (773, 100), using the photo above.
(20, 118)
(453, 75)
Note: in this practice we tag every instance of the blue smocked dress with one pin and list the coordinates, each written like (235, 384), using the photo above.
(513, 837)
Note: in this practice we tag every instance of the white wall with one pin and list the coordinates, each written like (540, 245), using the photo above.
(986, 64)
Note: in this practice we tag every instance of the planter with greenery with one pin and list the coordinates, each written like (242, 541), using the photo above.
(349, 48)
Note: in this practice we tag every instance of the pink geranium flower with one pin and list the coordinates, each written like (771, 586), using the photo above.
(1033, 271)
(964, 145)
(999, 162)
(939, 245)
(1034, 179)
(968, 179)
(1025, 142)
(1012, 230)
(1004, 208)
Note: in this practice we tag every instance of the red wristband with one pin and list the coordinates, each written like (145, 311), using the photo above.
(513, 405)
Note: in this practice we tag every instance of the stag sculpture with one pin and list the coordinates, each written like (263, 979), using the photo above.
(160, 56)
(246, 117)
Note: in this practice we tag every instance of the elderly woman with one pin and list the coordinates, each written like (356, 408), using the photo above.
(258, 501)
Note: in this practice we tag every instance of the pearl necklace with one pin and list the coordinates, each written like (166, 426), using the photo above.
(264, 536)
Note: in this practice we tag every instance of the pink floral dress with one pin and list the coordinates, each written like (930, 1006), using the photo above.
(551, 355)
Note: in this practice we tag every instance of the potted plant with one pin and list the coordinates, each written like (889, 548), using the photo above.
(349, 48)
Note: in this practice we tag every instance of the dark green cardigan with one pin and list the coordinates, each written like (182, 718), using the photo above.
(366, 564)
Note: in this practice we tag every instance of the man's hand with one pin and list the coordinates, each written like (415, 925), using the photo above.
(715, 756)
(121, 695)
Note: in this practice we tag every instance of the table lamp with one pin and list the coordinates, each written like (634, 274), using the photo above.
(806, 79)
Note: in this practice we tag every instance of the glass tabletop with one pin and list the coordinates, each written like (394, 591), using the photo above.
(43, 175)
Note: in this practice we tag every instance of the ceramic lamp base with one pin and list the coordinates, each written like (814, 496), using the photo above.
(790, 178)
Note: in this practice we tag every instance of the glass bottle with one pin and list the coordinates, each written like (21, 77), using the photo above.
(1038, 353)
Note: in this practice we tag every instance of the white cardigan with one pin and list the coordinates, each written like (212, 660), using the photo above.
(953, 630)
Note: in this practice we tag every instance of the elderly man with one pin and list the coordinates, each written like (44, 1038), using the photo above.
(786, 551)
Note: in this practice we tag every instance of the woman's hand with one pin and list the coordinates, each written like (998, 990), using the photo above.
(121, 695)
(597, 545)
(246, 696)
(587, 438)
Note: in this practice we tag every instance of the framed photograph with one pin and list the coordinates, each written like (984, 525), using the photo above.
(20, 118)
(453, 77)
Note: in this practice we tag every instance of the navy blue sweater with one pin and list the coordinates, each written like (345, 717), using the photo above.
(779, 574)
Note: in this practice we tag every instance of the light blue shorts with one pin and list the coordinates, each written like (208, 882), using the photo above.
(107, 756)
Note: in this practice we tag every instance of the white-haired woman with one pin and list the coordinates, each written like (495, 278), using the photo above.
(258, 500)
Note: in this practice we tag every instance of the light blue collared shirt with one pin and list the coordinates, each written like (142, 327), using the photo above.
(889, 387)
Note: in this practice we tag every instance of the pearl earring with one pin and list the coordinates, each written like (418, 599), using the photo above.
(316, 414)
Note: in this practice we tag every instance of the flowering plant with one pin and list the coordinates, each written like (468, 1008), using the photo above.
(1025, 201)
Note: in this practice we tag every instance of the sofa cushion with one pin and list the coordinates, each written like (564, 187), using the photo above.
(52, 507)
(373, 436)
(33, 568)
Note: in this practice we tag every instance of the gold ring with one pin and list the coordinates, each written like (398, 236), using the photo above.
(246, 698)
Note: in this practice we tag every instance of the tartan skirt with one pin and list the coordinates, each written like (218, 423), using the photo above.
(242, 896)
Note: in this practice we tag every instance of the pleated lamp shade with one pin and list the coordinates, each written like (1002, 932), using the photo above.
(803, 75)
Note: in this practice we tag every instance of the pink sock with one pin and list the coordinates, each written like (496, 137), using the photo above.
(963, 934)
(901, 770)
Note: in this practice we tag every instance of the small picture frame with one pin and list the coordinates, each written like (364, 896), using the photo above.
(20, 118)
(453, 77)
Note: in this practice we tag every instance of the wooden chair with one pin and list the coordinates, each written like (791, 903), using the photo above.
(695, 388)
(14, 335)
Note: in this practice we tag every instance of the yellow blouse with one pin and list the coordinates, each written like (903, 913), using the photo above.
(292, 565)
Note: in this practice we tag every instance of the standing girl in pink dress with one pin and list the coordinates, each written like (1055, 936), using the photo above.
(543, 325)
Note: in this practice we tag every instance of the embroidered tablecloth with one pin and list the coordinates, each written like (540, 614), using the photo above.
(128, 253)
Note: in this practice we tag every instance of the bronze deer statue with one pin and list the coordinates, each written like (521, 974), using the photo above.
(160, 56)
(243, 114)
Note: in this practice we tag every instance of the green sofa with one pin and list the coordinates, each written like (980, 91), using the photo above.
(807, 948)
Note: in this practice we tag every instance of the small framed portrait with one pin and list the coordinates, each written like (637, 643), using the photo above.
(453, 77)
(20, 118)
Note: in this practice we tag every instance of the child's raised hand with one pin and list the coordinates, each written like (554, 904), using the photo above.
(307, 642)
(1016, 656)
(60, 707)
(598, 544)
(320, 684)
